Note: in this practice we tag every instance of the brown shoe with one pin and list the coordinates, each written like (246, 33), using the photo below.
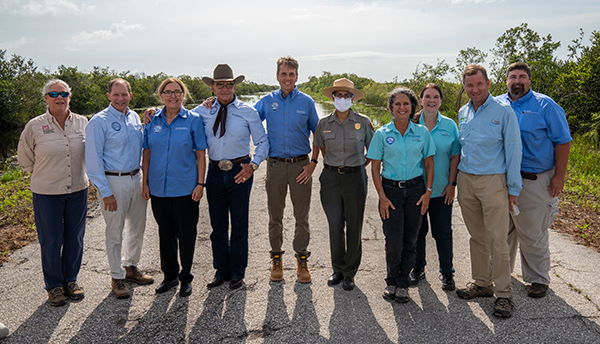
(133, 274)
(537, 290)
(277, 268)
(473, 290)
(73, 291)
(119, 288)
(56, 297)
(303, 272)
(503, 307)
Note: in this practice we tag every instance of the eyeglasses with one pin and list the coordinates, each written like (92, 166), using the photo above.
(345, 96)
(177, 93)
(56, 94)
(221, 84)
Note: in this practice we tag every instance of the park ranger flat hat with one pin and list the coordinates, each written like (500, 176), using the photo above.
(223, 73)
(343, 84)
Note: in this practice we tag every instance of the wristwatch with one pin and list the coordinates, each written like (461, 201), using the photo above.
(453, 183)
(254, 165)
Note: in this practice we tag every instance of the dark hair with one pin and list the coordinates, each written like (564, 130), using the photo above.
(472, 70)
(414, 101)
(186, 93)
(520, 66)
(118, 81)
(431, 85)
(288, 61)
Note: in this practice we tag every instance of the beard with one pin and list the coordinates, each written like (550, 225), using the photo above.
(517, 90)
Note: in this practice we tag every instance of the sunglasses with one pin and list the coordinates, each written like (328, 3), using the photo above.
(345, 96)
(221, 84)
(56, 94)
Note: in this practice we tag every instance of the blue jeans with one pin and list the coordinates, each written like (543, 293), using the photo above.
(401, 229)
(60, 223)
(440, 216)
(225, 199)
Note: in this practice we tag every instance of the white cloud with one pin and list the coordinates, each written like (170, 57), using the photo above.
(53, 7)
(13, 44)
(238, 22)
(371, 55)
(364, 7)
(116, 30)
(461, 2)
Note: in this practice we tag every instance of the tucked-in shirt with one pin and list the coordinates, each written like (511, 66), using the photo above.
(55, 157)
(543, 125)
(445, 136)
(401, 156)
(114, 144)
(242, 123)
(490, 142)
(289, 122)
(344, 143)
(173, 169)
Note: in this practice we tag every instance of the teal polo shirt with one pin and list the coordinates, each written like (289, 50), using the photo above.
(445, 136)
(401, 156)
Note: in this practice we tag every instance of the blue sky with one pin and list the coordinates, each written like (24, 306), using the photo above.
(376, 39)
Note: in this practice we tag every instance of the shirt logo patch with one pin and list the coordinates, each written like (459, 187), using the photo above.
(496, 122)
(46, 129)
(116, 126)
(301, 112)
(181, 128)
(357, 126)
(390, 140)
(213, 110)
(274, 106)
(157, 129)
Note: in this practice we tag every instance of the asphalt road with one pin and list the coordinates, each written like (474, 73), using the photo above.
(290, 312)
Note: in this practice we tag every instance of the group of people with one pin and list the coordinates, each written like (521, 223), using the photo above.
(415, 163)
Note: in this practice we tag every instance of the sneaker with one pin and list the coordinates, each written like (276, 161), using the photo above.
(277, 268)
(473, 290)
(390, 292)
(402, 295)
(133, 274)
(56, 297)
(303, 272)
(416, 275)
(73, 291)
(448, 281)
(503, 307)
(537, 290)
(119, 288)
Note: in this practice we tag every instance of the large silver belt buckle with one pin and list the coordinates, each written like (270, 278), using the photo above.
(225, 165)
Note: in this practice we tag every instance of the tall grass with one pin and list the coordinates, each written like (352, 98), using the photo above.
(583, 174)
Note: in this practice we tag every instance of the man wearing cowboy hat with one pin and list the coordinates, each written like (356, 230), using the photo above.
(228, 126)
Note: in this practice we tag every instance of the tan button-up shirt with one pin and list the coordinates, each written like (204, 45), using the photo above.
(54, 156)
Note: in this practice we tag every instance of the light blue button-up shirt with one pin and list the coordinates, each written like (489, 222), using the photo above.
(173, 169)
(242, 123)
(445, 136)
(289, 122)
(113, 143)
(543, 125)
(490, 142)
(401, 156)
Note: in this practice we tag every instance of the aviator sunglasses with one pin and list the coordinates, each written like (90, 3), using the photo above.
(56, 94)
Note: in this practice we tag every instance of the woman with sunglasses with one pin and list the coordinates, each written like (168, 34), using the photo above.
(173, 166)
(401, 153)
(51, 147)
(343, 138)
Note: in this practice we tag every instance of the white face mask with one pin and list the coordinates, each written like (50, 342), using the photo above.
(342, 105)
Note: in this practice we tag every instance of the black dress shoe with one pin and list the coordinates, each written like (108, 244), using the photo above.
(348, 283)
(166, 285)
(217, 281)
(185, 289)
(415, 276)
(334, 279)
(236, 283)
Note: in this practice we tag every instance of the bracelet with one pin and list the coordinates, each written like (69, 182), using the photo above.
(430, 189)
(202, 184)
(315, 161)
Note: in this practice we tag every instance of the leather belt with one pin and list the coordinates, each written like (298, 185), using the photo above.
(291, 160)
(403, 184)
(342, 169)
(528, 175)
(132, 173)
(226, 165)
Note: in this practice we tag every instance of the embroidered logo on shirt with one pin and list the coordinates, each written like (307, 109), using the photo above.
(116, 126)
(496, 122)
(274, 106)
(390, 140)
(357, 126)
(213, 110)
(181, 128)
(301, 112)
(47, 129)
(157, 129)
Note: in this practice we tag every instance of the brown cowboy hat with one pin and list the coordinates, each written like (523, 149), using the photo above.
(222, 73)
(343, 84)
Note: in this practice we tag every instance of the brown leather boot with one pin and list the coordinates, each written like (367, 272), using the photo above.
(277, 268)
(119, 288)
(303, 272)
(133, 274)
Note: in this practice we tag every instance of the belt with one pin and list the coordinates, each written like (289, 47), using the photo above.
(132, 173)
(342, 169)
(226, 165)
(291, 160)
(403, 184)
(529, 175)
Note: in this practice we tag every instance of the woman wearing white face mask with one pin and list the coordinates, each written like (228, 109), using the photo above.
(343, 138)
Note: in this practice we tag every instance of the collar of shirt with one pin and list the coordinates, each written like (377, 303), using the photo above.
(117, 113)
(392, 127)
(351, 117)
(437, 120)
(52, 119)
(291, 94)
(521, 100)
(483, 106)
(182, 113)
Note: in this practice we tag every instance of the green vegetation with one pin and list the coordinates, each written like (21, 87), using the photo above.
(16, 201)
(582, 186)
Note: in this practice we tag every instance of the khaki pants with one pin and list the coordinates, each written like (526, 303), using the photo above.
(484, 204)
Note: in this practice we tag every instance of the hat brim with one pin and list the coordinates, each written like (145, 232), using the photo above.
(328, 92)
(211, 81)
